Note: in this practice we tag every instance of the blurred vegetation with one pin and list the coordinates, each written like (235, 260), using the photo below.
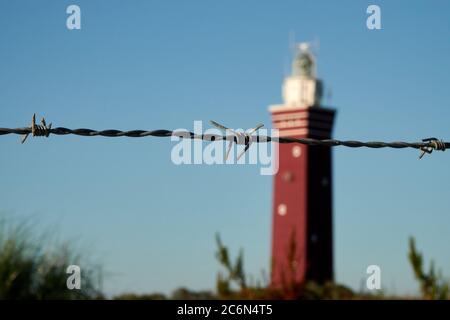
(432, 284)
(234, 271)
(186, 294)
(33, 268)
(235, 275)
(134, 296)
(178, 294)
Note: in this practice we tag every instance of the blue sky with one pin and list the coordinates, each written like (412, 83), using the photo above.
(162, 65)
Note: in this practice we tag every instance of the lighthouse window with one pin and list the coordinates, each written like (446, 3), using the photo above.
(296, 151)
(282, 209)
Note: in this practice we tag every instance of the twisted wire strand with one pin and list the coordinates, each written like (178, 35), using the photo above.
(433, 144)
(39, 130)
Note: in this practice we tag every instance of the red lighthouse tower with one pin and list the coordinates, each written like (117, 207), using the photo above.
(302, 247)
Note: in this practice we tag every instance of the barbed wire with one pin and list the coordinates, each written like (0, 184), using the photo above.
(426, 146)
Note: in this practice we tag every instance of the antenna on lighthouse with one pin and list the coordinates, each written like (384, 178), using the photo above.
(291, 41)
(315, 46)
(291, 53)
(329, 95)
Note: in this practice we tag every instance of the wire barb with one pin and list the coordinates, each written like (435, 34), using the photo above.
(244, 138)
(433, 144)
(38, 130)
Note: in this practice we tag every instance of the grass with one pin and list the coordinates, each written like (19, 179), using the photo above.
(33, 267)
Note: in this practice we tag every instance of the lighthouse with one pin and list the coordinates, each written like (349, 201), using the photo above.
(302, 229)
